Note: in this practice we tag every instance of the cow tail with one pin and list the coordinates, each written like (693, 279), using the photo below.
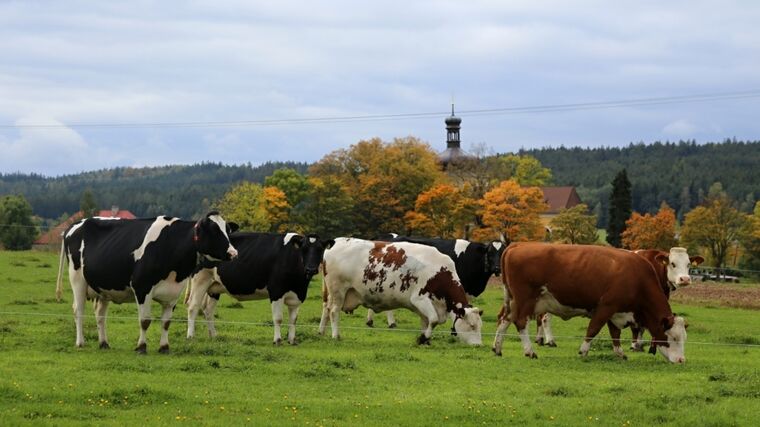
(61, 267)
(188, 288)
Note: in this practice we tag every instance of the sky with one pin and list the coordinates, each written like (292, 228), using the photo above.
(68, 65)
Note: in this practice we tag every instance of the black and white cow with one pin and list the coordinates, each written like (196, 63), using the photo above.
(125, 260)
(274, 266)
(475, 263)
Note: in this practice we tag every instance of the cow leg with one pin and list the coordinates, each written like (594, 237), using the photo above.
(502, 324)
(391, 319)
(335, 305)
(143, 312)
(601, 316)
(101, 309)
(325, 316)
(521, 323)
(540, 329)
(637, 338)
(197, 290)
(166, 320)
(370, 318)
(428, 314)
(615, 334)
(293, 303)
(546, 323)
(79, 288)
(209, 308)
(277, 319)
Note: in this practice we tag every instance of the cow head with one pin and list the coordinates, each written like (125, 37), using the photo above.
(678, 263)
(212, 237)
(311, 248)
(675, 331)
(467, 326)
(493, 257)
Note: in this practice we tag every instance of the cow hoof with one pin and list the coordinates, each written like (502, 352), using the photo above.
(422, 339)
(278, 341)
(551, 344)
(540, 341)
(392, 325)
(164, 349)
(498, 353)
(79, 344)
(104, 345)
(531, 355)
(294, 342)
(142, 349)
(370, 323)
(637, 349)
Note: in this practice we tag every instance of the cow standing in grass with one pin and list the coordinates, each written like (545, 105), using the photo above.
(125, 260)
(270, 266)
(475, 263)
(384, 276)
(610, 286)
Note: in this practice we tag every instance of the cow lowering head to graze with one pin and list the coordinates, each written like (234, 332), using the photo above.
(384, 276)
(274, 266)
(475, 262)
(125, 260)
(608, 285)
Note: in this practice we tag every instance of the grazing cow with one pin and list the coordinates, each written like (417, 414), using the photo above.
(475, 263)
(125, 260)
(384, 276)
(274, 266)
(608, 285)
(672, 270)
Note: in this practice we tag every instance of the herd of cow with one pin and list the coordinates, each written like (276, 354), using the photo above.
(154, 259)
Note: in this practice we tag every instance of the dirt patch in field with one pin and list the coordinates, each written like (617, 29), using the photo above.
(719, 294)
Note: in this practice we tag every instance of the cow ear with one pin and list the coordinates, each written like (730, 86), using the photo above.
(480, 312)
(662, 258)
(696, 260)
(297, 241)
(503, 239)
(667, 323)
(329, 243)
(233, 227)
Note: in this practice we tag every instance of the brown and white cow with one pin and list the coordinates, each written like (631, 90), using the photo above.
(608, 285)
(385, 276)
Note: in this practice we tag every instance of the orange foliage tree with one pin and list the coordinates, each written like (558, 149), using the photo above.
(512, 210)
(651, 231)
(277, 209)
(441, 211)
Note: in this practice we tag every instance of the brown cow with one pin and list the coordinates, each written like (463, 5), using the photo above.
(608, 285)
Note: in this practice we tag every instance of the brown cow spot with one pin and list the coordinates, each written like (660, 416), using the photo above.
(394, 258)
(324, 268)
(407, 280)
(376, 253)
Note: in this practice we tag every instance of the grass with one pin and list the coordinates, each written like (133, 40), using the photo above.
(371, 377)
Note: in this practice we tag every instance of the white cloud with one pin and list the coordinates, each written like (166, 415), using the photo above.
(680, 128)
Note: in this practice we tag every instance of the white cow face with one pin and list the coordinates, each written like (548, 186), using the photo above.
(468, 327)
(676, 334)
(678, 263)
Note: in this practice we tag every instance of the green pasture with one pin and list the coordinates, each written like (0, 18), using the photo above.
(371, 377)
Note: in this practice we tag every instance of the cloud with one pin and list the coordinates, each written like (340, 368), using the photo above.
(680, 128)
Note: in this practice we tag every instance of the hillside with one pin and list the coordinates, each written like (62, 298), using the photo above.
(678, 173)
(178, 190)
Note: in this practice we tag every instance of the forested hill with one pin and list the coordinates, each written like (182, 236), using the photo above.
(679, 173)
(177, 190)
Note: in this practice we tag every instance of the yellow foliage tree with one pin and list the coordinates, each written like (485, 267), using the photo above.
(441, 211)
(716, 225)
(574, 226)
(651, 231)
(512, 210)
(277, 209)
(243, 204)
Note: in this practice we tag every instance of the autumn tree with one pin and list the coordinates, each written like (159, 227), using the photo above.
(513, 210)
(651, 231)
(277, 209)
(17, 231)
(620, 208)
(575, 226)
(750, 239)
(327, 208)
(244, 204)
(383, 178)
(716, 225)
(443, 211)
(293, 184)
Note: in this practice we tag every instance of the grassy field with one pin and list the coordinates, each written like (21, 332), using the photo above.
(372, 377)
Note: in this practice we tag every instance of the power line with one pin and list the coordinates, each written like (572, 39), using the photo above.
(537, 109)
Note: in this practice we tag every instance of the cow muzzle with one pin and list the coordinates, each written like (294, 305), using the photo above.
(310, 271)
(684, 280)
(232, 252)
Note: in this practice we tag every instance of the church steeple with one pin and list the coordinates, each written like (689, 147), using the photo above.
(453, 150)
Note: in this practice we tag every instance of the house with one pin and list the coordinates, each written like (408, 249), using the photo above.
(558, 198)
(52, 239)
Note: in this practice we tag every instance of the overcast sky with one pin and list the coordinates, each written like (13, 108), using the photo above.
(138, 62)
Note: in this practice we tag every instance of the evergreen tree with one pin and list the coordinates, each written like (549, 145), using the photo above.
(620, 208)
(87, 205)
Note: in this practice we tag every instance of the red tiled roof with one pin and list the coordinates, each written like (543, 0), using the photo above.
(560, 198)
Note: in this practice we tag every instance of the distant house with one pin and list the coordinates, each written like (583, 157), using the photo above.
(53, 237)
(558, 198)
